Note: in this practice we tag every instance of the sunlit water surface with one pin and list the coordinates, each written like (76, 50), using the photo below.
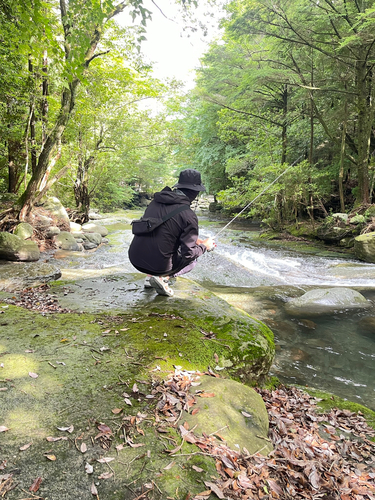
(333, 353)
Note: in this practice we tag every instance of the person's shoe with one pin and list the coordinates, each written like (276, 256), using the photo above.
(161, 287)
(147, 283)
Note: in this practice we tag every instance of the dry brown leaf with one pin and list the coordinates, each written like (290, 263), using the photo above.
(51, 457)
(83, 448)
(215, 489)
(89, 468)
(53, 439)
(3, 428)
(105, 475)
(207, 395)
(116, 411)
(195, 411)
(105, 460)
(104, 429)
(69, 429)
(25, 446)
(36, 485)
(33, 375)
(197, 469)
(169, 466)
(94, 490)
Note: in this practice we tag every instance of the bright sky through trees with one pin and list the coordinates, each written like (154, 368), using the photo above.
(174, 52)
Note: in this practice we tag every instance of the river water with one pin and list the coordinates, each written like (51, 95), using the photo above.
(333, 353)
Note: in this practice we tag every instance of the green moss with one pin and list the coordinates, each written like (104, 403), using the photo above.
(329, 401)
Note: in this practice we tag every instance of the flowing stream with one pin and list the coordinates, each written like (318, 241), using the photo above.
(333, 353)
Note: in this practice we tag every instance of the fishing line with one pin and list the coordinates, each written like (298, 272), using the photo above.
(260, 194)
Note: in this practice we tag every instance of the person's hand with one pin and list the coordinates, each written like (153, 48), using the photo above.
(209, 243)
(199, 241)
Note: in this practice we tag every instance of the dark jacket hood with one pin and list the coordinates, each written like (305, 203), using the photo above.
(169, 197)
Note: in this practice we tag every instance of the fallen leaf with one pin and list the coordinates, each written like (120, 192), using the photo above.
(116, 411)
(104, 429)
(33, 375)
(169, 466)
(3, 428)
(119, 447)
(89, 468)
(206, 395)
(53, 439)
(83, 448)
(3, 389)
(69, 429)
(94, 490)
(30, 350)
(195, 411)
(197, 469)
(149, 486)
(51, 457)
(215, 489)
(105, 460)
(135, 388)
(106, 475)
(135, 445)
(216, 357)
(25, 446)
(36, 485)
(245, 414)
(128, 402)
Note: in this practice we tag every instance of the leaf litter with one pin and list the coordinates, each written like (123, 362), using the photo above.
(316, 455)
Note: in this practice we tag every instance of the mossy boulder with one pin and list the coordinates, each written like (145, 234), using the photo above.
(236, 412)
(24, 230)
(54, 206)
(89, 227)
(244, 345)
(326, 301)
(65, 376)
(66, 241)
(364, 247)
(14, 248)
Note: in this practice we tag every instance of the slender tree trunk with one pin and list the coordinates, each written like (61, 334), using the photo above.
(366, 95)
(32, 125)
(284, 133)
(53, 139)
(342, 157)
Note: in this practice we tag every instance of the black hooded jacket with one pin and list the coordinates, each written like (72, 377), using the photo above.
(171, 246)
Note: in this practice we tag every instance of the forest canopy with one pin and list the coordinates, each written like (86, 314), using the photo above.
(287, 86)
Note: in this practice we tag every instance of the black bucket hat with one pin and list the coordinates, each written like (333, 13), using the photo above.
(190, 179)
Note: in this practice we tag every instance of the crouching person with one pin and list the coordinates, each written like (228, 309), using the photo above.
(173, 247)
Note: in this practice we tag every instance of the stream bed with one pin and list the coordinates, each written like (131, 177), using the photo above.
(333, 353)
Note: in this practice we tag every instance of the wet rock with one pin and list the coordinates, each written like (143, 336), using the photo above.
(367, 325)
(56, 208)
(94, 238)
(66, 241)
(75, 228)
(94, 228)
(326, 301)
(224, 412)
(364, 247)
(88, 245)
(24, 230)
(52, 231)
(14, 248)
(21, 274)
(307, 323)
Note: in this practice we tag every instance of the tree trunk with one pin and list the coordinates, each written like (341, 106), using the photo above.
(342, 157)
(81, 188)
(53, 139)
(366, 95)
(284, 136)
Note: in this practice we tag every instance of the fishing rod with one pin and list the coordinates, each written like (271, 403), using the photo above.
(260, 194)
